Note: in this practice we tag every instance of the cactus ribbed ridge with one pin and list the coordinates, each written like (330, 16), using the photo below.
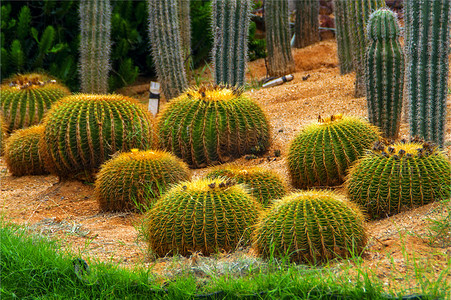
(396, 177)
(322, 152)
(82, 131)
(206, 216)
(137, 178)
(306, 26)
(310, 227)
(3, 133)
(211, 125)
(343, 26)
(384, 72)
(95, 45)
(230, 26)
(22, 153)
(24, 99)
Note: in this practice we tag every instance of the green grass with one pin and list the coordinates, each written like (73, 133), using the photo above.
(34, 267)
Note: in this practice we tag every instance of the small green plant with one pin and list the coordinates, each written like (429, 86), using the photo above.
(137, 178)
(439, 229)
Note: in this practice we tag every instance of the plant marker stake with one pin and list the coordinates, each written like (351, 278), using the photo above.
(279, 81)
(154, 97)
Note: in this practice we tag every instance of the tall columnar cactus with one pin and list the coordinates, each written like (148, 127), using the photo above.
(185, 31)
(137, 178)
(322, 152)
(343, 32)
(24, 99)
(397, 177)
(211, 125)
(95, 45)
(230, 26)
(280, 59)
(311, 227)
(306, 27)
(208, 216)
(358, 15)
(82, 131)
(264, 185)
(384, 72)
(427, 40)
(22, 153)
(167, 52)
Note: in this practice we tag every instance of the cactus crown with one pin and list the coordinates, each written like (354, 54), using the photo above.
(329, 120)
(383, 24)
(415, 148)
(214, 92)
(24, 81)
(210, 185)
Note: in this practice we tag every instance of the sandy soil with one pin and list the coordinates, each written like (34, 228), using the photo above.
(69, 210)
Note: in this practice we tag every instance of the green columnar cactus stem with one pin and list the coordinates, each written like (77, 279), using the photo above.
(24, 99)
(82, 131)
(393, 178)
(208, 216)
(359, 12)
(167, 52)
(322, 152)
(211, 125)
(384, 72)
(185, 31)
(280, 59)
(306, 26)
(95, 45)
(264, 185)
(22, 154)
(230, 24)
(343, 26)
(137, 178)
(311, 227)
(427, 27)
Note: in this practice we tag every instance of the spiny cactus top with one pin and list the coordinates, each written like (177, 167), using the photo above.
(137, 178)
(310, 227)
(321, 153)
(25, 98)
(395, 177)
(82, 131)
(211, 125)
(265, 185)
(383, 24)
(208, 216)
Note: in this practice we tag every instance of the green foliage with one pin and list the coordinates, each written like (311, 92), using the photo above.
(257, 47)
(322, 152)
(211, 125)
(137, 178)
(393, 178)
(311, 227)
(83, 131)
(22, 154)
(208, 216)
(201, 36)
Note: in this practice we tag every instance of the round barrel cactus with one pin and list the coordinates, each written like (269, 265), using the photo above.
(396, 177)
(310, 227)
(25, 98)
(3, 133)
(211, 125)
(207, 216)
(265, 185)
(137, 178)
(322, 152)
(22, 153)
(82, 131)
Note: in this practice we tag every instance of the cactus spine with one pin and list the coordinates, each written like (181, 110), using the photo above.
(343, 26)
(280, 59)
(230, 24)
(384, 71)
(95, 45)
(167, 52)
(427, 26)
(359, 12)
(306, 25)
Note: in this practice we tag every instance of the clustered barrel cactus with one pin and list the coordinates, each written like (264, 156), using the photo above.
(24, 99)
(265, 185)
(137, 178)
(22, 153)
(208, 216)
(211, 125)
(384, 72)
(311, 227)
(395, 177)
(82, 131)
(322, 152)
